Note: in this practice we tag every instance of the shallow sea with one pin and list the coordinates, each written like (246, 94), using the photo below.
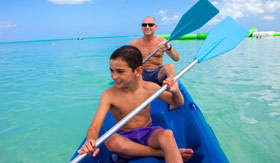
(49, 92)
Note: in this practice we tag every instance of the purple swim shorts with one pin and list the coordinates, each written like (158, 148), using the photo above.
(140, 135)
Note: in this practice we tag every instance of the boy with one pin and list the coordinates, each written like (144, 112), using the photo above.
(129, 91)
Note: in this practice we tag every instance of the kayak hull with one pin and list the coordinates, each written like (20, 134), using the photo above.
(188, 125)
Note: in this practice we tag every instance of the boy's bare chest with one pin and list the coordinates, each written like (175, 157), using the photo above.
(128, 102)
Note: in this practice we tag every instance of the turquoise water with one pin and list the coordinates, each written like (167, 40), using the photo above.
(49, 93)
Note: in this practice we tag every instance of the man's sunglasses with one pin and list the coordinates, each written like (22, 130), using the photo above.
(149, 24)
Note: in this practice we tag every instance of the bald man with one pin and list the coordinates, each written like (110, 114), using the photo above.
(154, 70)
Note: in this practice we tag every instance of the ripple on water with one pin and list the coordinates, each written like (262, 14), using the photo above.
(274, 114)
(246, 119)
(7, 129)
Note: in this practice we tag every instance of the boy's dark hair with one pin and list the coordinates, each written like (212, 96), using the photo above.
(130, 54)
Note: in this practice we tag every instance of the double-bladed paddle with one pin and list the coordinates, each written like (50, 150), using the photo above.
(192, 20)
(221, 39)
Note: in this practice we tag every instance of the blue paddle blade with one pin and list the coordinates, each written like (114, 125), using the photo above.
(222, 38)
(194, 18)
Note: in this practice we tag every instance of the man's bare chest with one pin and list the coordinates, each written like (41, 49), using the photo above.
(146, 51)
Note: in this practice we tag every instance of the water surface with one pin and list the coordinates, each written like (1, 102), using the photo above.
(49, 92)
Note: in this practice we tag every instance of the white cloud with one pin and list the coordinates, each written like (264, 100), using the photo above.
(161, 12)
(7, 25)
(167, 19)
(244, 8)
(272, 6)
(68, 2)
(175, 17)
(215, 3)
(268, 17)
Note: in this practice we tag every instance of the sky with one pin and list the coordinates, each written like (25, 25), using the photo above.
(24, 20)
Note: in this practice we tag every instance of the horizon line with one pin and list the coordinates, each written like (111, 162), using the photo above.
(64, 39)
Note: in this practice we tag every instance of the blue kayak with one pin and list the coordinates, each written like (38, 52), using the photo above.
(190, 130)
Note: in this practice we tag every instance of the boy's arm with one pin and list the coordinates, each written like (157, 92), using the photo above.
(94, 128)
(173, 96)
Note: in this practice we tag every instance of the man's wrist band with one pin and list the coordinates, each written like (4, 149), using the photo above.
(169, 47)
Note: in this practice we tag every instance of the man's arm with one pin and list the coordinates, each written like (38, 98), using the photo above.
(134, 42)
(94, 128)
(170, 51)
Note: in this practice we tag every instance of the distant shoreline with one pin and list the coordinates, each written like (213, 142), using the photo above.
(50, 40)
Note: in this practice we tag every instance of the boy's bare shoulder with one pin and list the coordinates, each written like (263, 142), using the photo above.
(109, 92)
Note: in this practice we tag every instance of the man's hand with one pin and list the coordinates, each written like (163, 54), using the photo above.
(163, 46)
(89, 148)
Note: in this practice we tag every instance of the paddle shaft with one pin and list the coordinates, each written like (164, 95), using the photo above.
(153, 53)
(122, 122)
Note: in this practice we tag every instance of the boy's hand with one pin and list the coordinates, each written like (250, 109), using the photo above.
(89, 148)
(171, 84)
(173, 88)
